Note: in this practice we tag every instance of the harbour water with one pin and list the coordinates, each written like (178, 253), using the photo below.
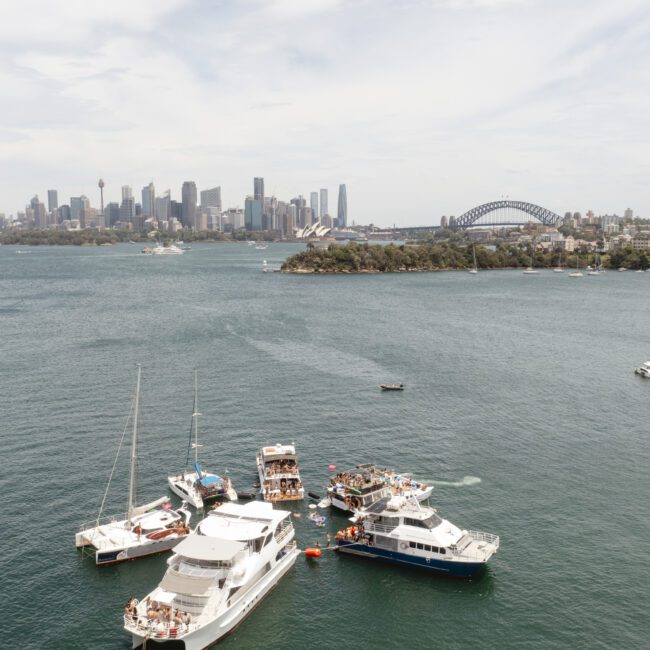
(520, 402)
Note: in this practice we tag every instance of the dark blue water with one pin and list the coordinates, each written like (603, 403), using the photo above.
(523, 382)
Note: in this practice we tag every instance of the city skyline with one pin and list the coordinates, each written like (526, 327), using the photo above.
(544, 101)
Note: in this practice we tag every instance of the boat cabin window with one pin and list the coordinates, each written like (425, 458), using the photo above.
(420, 546)
(256, 544)
(268, 538)
(388, 521)
(428, 523)
(442, 551)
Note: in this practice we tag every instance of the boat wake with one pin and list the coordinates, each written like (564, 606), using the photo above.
(466, 481)
(333, 362)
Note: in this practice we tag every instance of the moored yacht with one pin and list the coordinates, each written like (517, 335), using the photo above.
(172, 249)
(643, 370)
(215, 578)
(198, 486)
(357, 489)
(399, 529)
(277, 466)
(146, 529)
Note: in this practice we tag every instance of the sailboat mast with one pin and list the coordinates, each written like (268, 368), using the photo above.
(195, 415)
(134, 442)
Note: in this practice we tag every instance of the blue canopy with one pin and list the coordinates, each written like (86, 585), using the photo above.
(210, 480)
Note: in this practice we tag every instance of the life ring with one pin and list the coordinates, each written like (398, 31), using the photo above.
(403, 545)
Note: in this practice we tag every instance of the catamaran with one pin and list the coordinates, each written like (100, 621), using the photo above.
(146, 530)
(198, 486)
(215, 578)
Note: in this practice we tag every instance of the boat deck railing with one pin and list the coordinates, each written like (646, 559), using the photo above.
(465, 549)
(378, 528)
(154, 630)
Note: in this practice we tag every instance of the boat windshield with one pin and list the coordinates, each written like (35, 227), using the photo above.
(432, 521)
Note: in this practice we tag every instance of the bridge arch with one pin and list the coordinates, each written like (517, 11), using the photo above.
(543, 215)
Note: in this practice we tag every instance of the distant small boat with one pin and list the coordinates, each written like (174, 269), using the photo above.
(261, 246)
(391, 386)
(643, 370)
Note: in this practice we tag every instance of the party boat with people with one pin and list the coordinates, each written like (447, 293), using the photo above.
(148, 529)
(198, 486)
(277, 466)
(366, 484)
(400, 529)
(215, 578)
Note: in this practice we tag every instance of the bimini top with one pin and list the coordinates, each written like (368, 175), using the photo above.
(241, 522)
(210, 480)
(199, 547)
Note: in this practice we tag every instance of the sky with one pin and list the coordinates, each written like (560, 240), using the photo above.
(422, 108)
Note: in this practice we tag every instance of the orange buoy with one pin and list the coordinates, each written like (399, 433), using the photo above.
(312, 552)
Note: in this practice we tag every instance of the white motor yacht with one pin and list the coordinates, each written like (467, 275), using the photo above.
(399, 529)
(145, 530)
(215, 578)
(197, 487)
(643, 370)
(172, 249)
(359, 488)
(277, 466)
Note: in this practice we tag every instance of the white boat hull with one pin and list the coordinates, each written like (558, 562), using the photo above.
(224, 623)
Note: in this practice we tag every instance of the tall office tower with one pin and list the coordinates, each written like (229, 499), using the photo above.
(299, 203)
(148, 200)
(39, 212)
(258, 189)
(176, 210)
(188, 195)
(127, 209)
(313, 204)
(323, 202)
(76, 204)
(343, 207)
(163, 207)
(253, 214)
(52, 200)
(443, 221)
(127, 192)
(292, 219)
(64, 213)
(112, 214)
(211, 199)
(628, 214)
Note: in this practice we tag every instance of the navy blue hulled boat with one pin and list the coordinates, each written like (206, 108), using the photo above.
(400, 529)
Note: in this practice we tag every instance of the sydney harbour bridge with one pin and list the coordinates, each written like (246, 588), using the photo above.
(505, 212)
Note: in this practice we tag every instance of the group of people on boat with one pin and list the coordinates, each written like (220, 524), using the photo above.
(157, 614)
(351, 535)
(281, 467)
(288, 488)
(356, 480)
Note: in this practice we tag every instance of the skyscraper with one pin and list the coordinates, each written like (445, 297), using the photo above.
(343, 207)
(127, 192)
(76, 205)
(252, 214)
(148, 200)
(258, 189)
(188, 194)
(313, 204)
(52, 200)
(163, 208)
(323, 203)
(211, 199)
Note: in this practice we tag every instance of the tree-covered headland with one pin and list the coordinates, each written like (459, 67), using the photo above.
(366, 258)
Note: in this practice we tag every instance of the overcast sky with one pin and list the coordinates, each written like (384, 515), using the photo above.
(422, 107)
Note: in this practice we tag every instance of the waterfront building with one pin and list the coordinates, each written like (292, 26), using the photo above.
(233, 219)
(342, 214)
(253, 214)
(89, 218)
(111, 214)
(313, 204)
(188, 194)
(323, 203)
(258, 189)
(292, 219)
(52, 200)
(162, 210)
(200, 221)
(127, 207)
(76, 204)
(148, 200)
(211, 199)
